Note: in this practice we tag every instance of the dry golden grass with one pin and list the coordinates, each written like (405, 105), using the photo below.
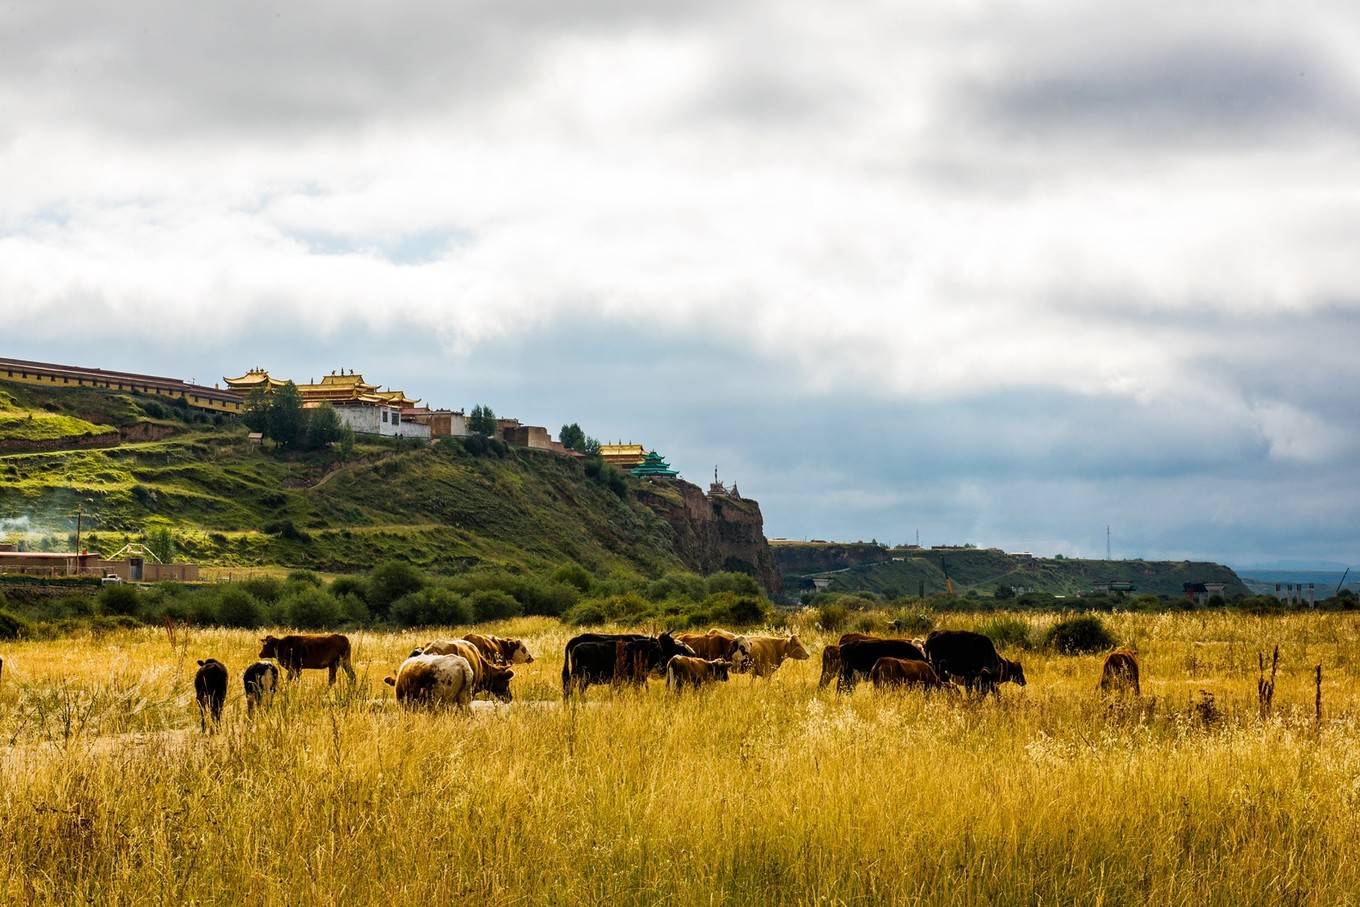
(752, 793)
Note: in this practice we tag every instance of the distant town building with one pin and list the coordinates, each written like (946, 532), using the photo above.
(653, 466)
(443, 423)
(534, 437)
(1297, 593)
(51, 375)
(133, 569)
(1112, 586)
(1200, 593)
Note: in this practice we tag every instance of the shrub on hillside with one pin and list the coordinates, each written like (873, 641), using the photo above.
(349, 585)
(353, 609)
(493, 604)
(310, 609)
(389, 581)
(739, 583)
(736, 609)
(677, 585)
(587, 613)
(573, 575)
(832, 617)
(265, 588)
(431, 607)
(1007, 632)
(1078, 635)
(303, 577)
(119, 600)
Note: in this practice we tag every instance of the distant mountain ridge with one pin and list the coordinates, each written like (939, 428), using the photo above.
(866, 567)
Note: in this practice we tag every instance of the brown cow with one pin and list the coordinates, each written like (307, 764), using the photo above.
(888, 673)
(300, 652)
(831, 664)
(715, 644)
(762, 655)
(500, 650)
(433, 680)
(1120, 672)
(684, 670)
(487, 676)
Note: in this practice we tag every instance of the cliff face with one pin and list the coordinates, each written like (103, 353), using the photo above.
(714, 533)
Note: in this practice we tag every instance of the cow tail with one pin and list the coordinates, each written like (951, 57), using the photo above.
(566, 673)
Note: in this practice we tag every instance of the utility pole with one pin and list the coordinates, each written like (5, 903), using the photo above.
(1107, 541)
(79, 513)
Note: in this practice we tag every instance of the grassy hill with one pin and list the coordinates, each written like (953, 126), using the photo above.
(905, 571)
(233, 503)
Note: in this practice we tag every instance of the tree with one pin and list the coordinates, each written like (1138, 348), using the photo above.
(161, 542)
(256, 414)
(323, 427)
(286, 421)
(591, 448)
(346, 443)
(482, 421)
(1004, 593)
(572, 438)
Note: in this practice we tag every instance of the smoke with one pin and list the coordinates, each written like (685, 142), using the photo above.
(15, 524)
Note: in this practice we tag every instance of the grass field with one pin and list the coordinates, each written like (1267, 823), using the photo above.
(752, 793)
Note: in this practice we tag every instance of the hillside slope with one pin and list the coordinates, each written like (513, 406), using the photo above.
(233, 503)
(862, 567)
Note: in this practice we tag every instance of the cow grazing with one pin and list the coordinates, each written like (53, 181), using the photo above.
(890, 673)
(261, 681)
(690, 671)
(859, 655)
(500, 650)
(1120, 672)
(972, 658)
(210, 689)
(831, 664)
(434, 681)
(612, 658)
(305, 651)
(487, 676)
(762, 655)
(715, 644)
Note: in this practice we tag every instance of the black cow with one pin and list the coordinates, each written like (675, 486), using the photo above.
(261, 680)
(972, 658)
(210, 689)
(859, 654)
(615, 658)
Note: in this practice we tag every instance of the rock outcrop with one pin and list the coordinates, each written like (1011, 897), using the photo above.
(713, 532)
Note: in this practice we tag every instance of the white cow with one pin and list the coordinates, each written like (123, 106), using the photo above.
(433, 680)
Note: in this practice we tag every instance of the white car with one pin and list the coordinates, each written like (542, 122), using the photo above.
(112, 579)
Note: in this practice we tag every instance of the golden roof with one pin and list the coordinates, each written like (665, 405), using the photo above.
(256, 377)
(622, 450)
(337, 387)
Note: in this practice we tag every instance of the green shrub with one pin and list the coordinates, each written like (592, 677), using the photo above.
(389, 581)
(12, 626)
(310, 609)
(739, 583)
(678, 585)
(1077, 635)
(119, 600)
(349, 585)
(303, 578)
(265, 588)
(586, 613)
(493, 604)
(832, 617)
(573, 575)
(736, 609)
(235, 607)
(430, 607)
(1007, 632)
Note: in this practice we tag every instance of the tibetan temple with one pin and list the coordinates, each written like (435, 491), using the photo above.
(338, 388)
(624, 456)
(653, 466)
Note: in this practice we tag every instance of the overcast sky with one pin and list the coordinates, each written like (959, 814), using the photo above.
(997, 272)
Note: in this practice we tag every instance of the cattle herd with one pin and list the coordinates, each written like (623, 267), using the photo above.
(449, 672)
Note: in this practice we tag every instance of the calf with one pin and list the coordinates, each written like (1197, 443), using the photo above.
(858, 657)
(308, 651)
(210, 689)
(686, 670)
(972, 658)
(434, 681)
(261, 680)
(762, 655)
(1120, 672)
(888, 673)
(487, 676)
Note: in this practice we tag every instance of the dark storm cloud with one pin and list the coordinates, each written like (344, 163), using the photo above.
(1208, 89)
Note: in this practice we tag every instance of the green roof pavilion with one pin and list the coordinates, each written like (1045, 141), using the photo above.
(653, 465)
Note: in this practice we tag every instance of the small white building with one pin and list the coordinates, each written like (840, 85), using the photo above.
(379, 419)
